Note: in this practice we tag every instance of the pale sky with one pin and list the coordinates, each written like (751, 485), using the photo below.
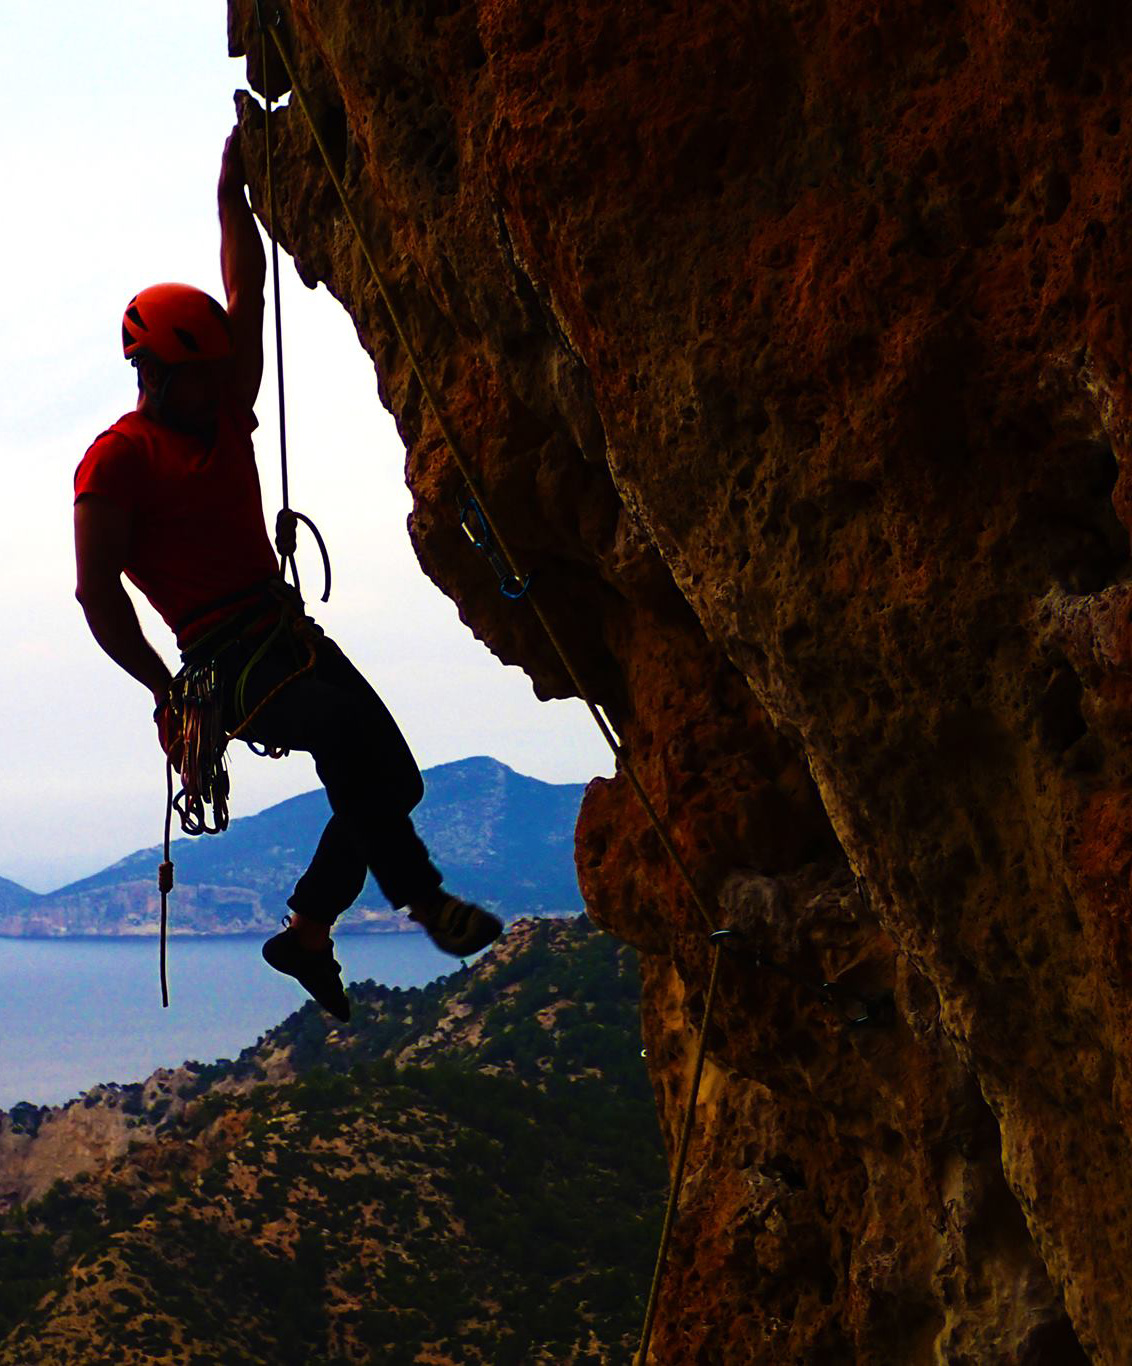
(114, 118)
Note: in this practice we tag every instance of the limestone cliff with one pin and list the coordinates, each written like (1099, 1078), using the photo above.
(788, 340)
(40, 1145)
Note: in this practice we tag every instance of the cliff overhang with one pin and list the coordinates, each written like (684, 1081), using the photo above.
(790, 344)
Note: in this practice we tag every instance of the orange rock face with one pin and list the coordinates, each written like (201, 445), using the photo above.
(789, 343)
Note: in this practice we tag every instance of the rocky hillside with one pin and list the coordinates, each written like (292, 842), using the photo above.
(500, 838)
(469, 1172)
(789, 342)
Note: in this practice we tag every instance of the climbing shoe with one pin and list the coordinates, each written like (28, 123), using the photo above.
(457, 927)
(317, 971)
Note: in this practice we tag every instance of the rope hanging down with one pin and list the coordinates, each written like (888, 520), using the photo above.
(286, 560)
(165, 878)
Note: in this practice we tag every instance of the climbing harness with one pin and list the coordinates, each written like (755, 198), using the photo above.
(197, 699)
(485, 535)
(197, 741)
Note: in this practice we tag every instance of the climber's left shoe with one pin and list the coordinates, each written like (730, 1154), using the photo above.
(457, 927)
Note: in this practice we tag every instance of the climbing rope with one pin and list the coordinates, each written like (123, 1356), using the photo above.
(165, 877)
(676, 1180)
(506, 565)
(486, 536)
(286, 561)
(479, 533)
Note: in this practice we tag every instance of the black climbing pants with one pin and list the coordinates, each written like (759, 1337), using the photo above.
(371, 779)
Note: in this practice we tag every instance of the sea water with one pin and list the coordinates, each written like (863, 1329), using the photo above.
(81, 1011)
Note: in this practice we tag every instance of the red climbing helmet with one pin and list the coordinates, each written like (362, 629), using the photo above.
(175, 324)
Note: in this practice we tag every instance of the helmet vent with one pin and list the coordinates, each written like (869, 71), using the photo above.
(176, 323)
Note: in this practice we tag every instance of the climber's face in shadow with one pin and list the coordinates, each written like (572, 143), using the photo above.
(187, 396)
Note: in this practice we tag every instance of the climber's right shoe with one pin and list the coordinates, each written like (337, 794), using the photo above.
(457, 927)
(316, 971)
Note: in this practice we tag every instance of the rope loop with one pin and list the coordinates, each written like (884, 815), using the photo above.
(286, 560)
(306, 521)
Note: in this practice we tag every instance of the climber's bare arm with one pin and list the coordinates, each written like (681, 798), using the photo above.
(102, 534)
(243, 268)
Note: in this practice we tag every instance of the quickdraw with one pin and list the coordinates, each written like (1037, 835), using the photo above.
(478, 532)
(196, 701)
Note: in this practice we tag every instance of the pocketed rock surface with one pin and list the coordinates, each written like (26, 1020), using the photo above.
(788, 342)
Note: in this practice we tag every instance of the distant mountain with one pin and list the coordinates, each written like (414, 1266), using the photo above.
(13, 897)
(468, 1172)
(501, 839)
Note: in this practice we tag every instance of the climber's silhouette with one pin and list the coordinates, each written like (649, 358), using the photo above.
(169, 496)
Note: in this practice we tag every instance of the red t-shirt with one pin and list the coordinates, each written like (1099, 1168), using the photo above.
(197, 528)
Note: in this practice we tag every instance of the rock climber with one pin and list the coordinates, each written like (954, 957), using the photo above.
(169, 496)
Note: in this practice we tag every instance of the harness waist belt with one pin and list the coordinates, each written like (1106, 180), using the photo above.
(254, 594)
(274, 603)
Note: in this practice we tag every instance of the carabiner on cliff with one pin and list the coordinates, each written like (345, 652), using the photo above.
(478, 532)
